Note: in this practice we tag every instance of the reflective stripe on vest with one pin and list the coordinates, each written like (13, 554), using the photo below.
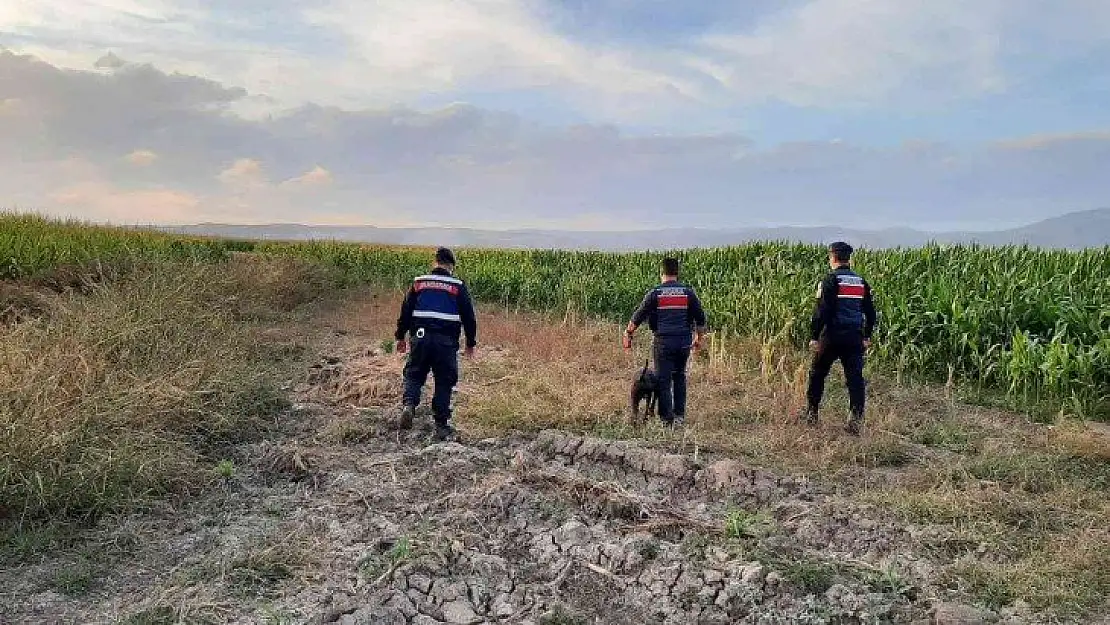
(433, 276)
(849, 287)
(431, 314)
(673, 298)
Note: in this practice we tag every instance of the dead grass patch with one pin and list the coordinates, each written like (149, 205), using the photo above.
(365, 380)
(116, 394)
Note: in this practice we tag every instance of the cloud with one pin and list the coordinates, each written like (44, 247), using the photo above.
(318, 176)
(707, 58)
(412, 48)
(464, 165)
(120, 206)
(1044, 141)
(141, 158)
(858, 52)
(246, 172)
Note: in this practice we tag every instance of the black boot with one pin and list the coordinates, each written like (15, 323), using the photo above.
(855, 424)
(444, 432)
(808, 416)
(407, 414)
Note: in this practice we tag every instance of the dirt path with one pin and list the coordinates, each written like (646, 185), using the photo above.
(341, 518)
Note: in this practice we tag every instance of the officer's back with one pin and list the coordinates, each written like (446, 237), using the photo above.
(674, 313)
(436, 311)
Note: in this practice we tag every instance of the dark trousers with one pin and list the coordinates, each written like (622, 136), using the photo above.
(670, 367)
(439, 355)
(850, 354)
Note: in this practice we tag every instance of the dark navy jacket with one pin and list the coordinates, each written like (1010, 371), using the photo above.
(440, 304)
(672, 311)
(845, 310)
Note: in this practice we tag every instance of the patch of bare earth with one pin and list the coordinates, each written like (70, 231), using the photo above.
(553, 510)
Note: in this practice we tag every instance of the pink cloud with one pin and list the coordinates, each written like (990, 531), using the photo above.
(101, 201)
(318, 176)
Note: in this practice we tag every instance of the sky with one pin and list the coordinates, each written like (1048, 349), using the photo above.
(569, 114)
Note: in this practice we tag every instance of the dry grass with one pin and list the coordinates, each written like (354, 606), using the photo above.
(19, 302)
(1019, 508)
(116, 394)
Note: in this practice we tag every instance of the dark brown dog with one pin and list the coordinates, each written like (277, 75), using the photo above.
(645, 386)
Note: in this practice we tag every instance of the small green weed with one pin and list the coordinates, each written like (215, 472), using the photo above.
(888, 580)
(19, 544)
(375, 564)
(746, 524)
(76, 579)
(812, 577)
(225, 469)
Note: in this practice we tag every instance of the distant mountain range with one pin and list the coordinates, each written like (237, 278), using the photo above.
(1071, 231)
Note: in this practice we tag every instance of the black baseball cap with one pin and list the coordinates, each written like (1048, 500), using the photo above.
(444, 256)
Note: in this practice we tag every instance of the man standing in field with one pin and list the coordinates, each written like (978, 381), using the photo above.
(673, 312)
(841, 328)
(436, 310)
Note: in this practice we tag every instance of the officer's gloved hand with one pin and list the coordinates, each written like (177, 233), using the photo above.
(402, 346)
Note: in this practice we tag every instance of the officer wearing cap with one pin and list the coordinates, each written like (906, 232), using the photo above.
(841, 329)
(436, 310)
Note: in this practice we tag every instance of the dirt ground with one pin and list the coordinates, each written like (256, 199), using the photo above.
(339, 517)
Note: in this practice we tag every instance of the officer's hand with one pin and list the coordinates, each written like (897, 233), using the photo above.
(402, 346)
(867, 343)
(468, 352)
(626, 341)
(813, 346)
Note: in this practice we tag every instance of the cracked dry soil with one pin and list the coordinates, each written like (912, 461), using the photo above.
(344, 519)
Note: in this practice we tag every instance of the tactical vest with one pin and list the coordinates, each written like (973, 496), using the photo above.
(437, 305)
(672, 311)
(849, 301)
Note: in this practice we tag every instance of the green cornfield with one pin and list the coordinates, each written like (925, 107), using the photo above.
(1033, 324)
(1028, 323)
(31, 244)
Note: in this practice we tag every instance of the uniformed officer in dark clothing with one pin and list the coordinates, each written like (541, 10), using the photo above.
(842, 323)
(436, 310)
(673, 312)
